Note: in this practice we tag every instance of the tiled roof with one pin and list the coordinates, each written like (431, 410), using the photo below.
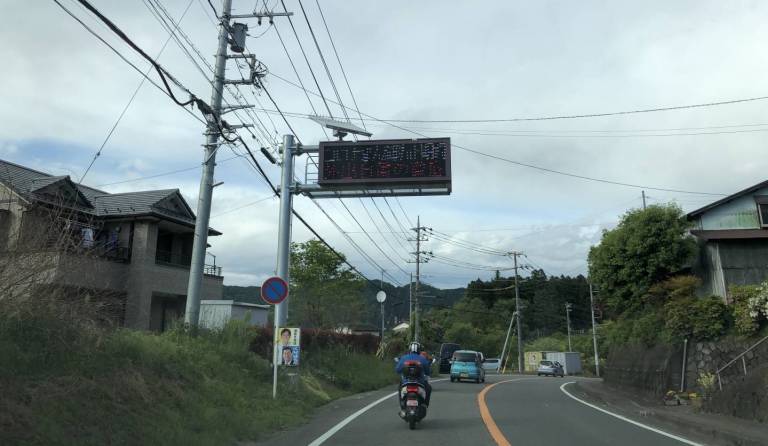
(26, 182)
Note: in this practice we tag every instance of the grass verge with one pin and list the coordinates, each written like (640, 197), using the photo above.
(70, 384)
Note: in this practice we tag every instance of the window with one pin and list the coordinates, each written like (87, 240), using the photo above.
(762, 209)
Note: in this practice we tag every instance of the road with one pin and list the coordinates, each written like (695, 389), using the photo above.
(507, 410)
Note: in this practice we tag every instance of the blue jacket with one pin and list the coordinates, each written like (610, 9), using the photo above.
(426, 366)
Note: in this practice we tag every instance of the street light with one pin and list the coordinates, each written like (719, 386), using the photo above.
(381, 296)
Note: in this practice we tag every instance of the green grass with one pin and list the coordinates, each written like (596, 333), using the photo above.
(63, 384)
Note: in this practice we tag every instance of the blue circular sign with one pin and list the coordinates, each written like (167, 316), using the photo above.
(274, 290)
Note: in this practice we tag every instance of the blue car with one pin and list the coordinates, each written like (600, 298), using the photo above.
(467, 364)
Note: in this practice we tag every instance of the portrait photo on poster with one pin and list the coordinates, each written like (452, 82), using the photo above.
(289, 356)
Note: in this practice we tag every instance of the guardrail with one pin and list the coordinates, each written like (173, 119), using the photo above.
(733, 361)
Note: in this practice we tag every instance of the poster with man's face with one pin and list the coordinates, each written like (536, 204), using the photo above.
(288, 341)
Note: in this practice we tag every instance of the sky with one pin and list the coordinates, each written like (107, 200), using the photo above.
(63, 90)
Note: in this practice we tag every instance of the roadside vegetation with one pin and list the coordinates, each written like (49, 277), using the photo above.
(66, 380)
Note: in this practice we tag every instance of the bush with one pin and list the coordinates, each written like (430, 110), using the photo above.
(696, 318)
(750, 307)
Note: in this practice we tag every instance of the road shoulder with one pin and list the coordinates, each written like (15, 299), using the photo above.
(713, 429)
(324, 418)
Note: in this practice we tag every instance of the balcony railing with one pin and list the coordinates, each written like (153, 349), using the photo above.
(167, 258)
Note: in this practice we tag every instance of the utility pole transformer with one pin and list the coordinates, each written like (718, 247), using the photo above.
(594, 331)
(200, 243)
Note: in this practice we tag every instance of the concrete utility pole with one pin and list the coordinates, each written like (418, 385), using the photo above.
(415, 294)
(200, 243)
(284, 230)
(520, 353)
(568, 307)
(502, 366)
(594, 331)
(643, 200)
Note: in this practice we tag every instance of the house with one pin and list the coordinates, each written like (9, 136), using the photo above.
(134, 248)
(733, 238)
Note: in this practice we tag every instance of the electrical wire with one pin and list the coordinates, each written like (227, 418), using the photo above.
(325, 64)
(130, 101)
(531, 166)
(338, 59)
(306, 59)
(160, 70)
(584, 115)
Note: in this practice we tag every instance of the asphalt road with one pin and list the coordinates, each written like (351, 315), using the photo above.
(517, 411)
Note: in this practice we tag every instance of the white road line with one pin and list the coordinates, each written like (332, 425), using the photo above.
(644, 426)
(323, 438)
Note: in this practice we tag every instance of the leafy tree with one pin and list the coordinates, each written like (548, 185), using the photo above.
(324, 293)
(645, 248)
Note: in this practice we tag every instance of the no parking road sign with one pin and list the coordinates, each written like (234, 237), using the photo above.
(274, 290)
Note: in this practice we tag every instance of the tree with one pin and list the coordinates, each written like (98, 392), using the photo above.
(324, 294)
(646, 247)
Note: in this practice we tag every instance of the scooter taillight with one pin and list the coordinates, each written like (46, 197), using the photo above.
(412, 389)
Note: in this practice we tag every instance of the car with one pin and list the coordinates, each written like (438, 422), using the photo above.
(550, 368)
(491, 364)
(446, 352)
(467, 364)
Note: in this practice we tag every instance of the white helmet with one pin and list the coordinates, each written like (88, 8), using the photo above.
(414, 347)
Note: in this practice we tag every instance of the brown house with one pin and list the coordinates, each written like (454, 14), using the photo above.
(133, 247)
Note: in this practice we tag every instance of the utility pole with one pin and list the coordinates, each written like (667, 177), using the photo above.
(410, 305)
(200, 241)
(643, 200)
(520, 353)
(418, 253)
(594, 332)
(568, 307)
(502, 366)
(284, 230)
(235, 35)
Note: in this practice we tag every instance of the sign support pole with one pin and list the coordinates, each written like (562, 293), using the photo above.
(283, 245)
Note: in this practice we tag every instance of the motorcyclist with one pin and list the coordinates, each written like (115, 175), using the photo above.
(414, 350)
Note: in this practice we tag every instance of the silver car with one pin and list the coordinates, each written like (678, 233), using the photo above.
(550, 368)
(491, 365)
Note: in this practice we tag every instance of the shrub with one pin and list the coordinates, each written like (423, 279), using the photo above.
(696, 318)
(751, 307)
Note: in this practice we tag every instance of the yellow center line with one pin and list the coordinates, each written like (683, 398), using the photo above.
(493, 429)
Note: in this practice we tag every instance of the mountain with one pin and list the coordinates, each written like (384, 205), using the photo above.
(250, 294)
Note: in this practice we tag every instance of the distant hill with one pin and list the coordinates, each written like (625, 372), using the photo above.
(250, 294)
(396, 304)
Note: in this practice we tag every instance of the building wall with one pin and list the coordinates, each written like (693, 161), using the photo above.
(741, 213)
(723, 263)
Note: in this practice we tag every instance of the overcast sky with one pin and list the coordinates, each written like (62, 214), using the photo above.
(62, 91)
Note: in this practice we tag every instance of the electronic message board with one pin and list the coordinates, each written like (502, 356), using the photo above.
(385, 162)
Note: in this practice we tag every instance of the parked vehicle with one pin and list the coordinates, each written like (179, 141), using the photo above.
(466, 364)
(446, 352)
(491, 364)
(550, 368)
(413, 395)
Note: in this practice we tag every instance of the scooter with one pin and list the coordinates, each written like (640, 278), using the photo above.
(412, 395)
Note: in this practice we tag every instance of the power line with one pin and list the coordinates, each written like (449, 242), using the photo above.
(306, 59)
(343, 71)
(121, 56)
(531, 166)
(243, 206)
(130, 101)
(325, 65)
(579, 116)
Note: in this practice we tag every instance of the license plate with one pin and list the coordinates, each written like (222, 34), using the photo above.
(410, 403)
(465, 375)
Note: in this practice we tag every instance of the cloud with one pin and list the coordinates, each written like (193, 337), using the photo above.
(422, 60)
